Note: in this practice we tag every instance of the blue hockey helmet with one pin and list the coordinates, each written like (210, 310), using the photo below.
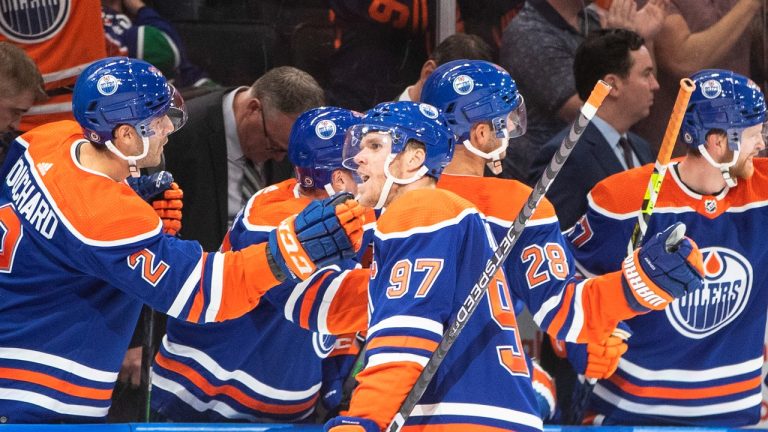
(727, 101)
(316, 143)
(121, 90)
(404, 122)
(473, 91)
(722, 100)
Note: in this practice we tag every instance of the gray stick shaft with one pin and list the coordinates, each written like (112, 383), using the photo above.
(493, 264)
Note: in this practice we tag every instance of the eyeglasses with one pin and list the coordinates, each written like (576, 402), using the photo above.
(272, 142)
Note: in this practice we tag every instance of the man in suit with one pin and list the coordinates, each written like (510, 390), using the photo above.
(619, 57)
(235, 144)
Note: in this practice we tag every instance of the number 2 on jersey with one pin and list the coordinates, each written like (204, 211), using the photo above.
(10, 236)
(544, 262)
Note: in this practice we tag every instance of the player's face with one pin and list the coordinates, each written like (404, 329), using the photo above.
(264, 134)
(638, 88)
(375, 147)
(751, 144)
(161, 128)
(12, 108)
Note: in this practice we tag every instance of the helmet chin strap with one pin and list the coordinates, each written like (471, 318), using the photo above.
(493, 158)
(329, 189)
(391, 180)
(723, 167)
(132, 168)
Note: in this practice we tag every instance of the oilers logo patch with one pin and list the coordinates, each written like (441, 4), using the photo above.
(428, 110)
(107, 85)
(723, 297)
(30, 22)
(323, 344)
(463, 84)
(325, 129)
(711, 89)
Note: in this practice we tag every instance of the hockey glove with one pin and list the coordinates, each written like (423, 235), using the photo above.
(325, 232)
(667, 267)
(599, 360)
(164, 194)
(350, 424)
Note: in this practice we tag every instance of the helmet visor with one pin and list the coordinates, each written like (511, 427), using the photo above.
(177, 111)
(365, 140)
(513, 124)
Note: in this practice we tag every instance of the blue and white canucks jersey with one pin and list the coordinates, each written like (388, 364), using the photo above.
(260, 367)
(699, 361)
(80, 253)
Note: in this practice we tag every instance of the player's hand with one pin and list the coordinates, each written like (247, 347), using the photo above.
(169, 209)
(668, 266)
(325, 232)
(350, 424)
(599, 360)
(164, 194)
(149, 187)
(130, 370)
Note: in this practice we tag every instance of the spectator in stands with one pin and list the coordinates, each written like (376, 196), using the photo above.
(235, 144)
(696, 36)
(454, 47)
(144, 34)
(61, 47)
(21, 86)
(621, 58)
(538, 48)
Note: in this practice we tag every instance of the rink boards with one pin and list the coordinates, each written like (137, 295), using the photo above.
(221, 427)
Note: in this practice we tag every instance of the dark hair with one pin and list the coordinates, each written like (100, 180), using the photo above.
(462, 46)
(288, 89)
(604, 52)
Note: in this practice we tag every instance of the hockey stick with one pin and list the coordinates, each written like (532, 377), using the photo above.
(469, 305)
(687, 86)
(662, 160)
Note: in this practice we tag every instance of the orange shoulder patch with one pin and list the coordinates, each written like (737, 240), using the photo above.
(495, 197)
(421, 208)
(623, 192)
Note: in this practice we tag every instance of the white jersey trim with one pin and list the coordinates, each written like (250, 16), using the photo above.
(299, 289)
(677, 410)
(240, 376)
(325, 305)
(51, 360)
(478, 410)
(52, 404)
(380, 359)
(428, 228)
(186, 290)
(407, 321)
(531, 222)
(214, 405)
(577, 323)
(685, 375)
(217, 280)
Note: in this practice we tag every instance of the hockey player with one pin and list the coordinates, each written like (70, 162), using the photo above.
(699, 361)
(484, 109)
(278, 370)
(81, 251)
(429, 248)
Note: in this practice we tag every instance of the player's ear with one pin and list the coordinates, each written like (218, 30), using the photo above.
(480, 133)
(124, 133)
(427, 69)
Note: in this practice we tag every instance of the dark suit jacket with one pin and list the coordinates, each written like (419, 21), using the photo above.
(591, 160)
(196, 155)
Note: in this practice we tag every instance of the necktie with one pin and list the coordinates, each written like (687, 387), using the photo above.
(252, 181)
(626, 150)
